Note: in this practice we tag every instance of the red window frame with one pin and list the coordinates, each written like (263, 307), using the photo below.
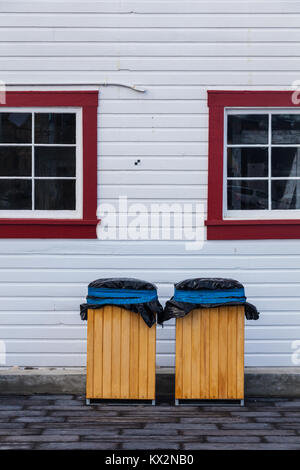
(217, 227)
(62, 228)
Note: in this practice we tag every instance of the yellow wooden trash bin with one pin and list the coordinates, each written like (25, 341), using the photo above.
(210, 354)
(120, 355)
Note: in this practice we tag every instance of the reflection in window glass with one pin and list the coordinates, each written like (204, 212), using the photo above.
(247, 162)
(15, 194)
(247, 194)
(247, 129)
(55, 161)
(15, 128)
(286, 194)
(285, 161)
(15, 161)
(285, 129)
(55, 128)
(55, 194)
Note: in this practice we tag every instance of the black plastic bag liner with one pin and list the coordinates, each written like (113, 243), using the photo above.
(207, 293)
(129, 293)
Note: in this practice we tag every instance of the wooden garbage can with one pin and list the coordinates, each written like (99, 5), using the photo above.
(210, 354)
(120, 355)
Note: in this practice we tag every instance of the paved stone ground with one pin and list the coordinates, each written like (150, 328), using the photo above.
(65, 422)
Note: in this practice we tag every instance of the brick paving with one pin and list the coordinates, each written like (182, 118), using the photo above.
(65, 422)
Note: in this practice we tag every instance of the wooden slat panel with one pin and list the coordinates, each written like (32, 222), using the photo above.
(151, 362)
(210, 354)
(107, 352)
(125, 353)
(90, 355)
(240, 352)
(143, 359)
(116, 353)
(98, 353)
(223, 353)
(179, 358)
(214, 353)
(204, 354)
(134, 356)
(232, 357)
(196, 352)
(187, 356)
(121, 355)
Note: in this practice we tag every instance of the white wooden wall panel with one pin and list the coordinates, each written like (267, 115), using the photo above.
(43, 283)
(176, 51)
(150, 6)
(149, 49)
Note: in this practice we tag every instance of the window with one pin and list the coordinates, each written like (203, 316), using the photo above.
(48, 153)
(254, 165)
(262, 158)
(40, 163)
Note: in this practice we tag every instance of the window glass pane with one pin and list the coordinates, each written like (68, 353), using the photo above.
(15, 161)
(55, 194)
(247, 194)
(55, 128)
(285, 161)
(247, 129)
(15, 194)
(247, 161)
(286, 129)
(15, 128)
(55, 161)
(286, 194)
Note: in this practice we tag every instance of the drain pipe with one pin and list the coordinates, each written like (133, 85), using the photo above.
(124, 85)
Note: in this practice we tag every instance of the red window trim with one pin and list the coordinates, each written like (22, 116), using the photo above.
(217, 227)
(62, 228)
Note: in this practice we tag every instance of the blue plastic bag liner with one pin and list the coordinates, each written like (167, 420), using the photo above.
(210, 296)
(132, 294)
(119, 296)
(207, 293)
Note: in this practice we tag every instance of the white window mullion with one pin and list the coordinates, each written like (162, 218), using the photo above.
(225, 172)
(269, 162)
(32, 165)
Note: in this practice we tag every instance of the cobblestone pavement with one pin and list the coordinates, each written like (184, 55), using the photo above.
(65, 422)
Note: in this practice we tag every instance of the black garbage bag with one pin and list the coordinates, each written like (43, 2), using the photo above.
(129, 293)
(207, 293)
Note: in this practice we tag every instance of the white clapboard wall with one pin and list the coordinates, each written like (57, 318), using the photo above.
(176, 50)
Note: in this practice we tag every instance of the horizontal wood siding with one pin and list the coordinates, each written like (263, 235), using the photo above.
(176, 51)
(44, 282)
